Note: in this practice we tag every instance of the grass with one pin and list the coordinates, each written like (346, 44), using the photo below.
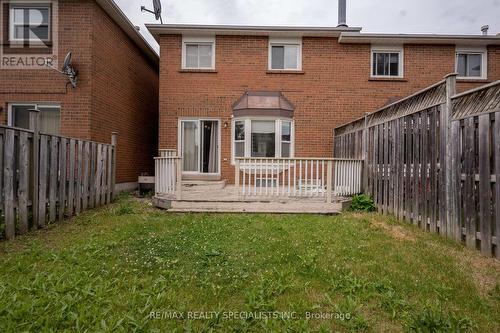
(108, 270)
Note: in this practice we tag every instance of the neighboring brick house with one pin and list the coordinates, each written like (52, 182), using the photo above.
(117, 79)
(279, 91)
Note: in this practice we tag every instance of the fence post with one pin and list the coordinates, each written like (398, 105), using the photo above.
(34, 116)
(237, 177)
(329, 182)
(114, 141)
(450, 163)
(179, 178)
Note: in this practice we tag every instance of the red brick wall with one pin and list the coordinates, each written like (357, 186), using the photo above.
(117, 88)
(124, 98)
(335, 87)
(20, 85)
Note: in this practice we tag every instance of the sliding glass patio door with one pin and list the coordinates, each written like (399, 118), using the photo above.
(200, 146)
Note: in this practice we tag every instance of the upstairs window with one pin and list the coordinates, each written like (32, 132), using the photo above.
(29, 22)
(387, 62)
(198, 53)
(285, 54)
(471, 64)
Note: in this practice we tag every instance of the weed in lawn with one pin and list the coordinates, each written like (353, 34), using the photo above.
(433, 319)
(124, 208)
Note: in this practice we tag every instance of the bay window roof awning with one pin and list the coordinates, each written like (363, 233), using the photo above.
(263, 103)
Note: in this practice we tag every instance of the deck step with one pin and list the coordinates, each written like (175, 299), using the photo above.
(255, 207)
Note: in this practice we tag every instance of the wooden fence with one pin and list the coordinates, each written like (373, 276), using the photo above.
(433, 158)
(46, 178)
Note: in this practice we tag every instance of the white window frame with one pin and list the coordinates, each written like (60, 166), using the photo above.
(204, 40)
(284, 42)
(180, 142)
(388, 49)
(29, 5)
(248, 135)
(10, 117)
(484, 62)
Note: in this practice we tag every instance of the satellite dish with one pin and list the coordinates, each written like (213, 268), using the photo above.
(67, 61)
(156, 10)
(68, 70)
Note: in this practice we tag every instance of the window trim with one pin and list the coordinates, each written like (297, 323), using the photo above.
(248, 135)
(388, 49)
(219, 142)
(29, 5)
(484, 62)
(284, 42)
(186, 40)
(10, 118)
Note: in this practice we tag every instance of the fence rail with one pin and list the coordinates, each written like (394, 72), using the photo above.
(433, 158)
(46, 178)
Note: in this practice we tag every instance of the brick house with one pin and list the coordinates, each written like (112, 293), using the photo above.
(117, 87)
(249, 91)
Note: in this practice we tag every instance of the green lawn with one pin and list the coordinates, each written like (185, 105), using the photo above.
(108, 270)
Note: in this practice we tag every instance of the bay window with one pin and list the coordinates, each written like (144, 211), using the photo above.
(262, 138)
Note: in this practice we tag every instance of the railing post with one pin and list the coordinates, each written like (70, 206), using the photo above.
(34, 126)
(178, 178)
(114, 141)
(329, 181)
(237, 177)
(452, 230)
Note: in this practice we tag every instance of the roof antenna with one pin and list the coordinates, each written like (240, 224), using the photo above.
(156, 10)
(68, 70)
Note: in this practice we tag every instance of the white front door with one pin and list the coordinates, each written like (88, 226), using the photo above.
(199, 146)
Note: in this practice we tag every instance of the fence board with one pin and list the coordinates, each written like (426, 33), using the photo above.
(109, 175)
(22, 188)
(104, 174)
(470, 220)
(485, 184)
(8, 174)
(79, 174)
(496, 152)
(53, 171)
(71, 179)
(86, 170)
(42, 192)
(98, 176)
(93, 163)
(442, 171)
(63, 156)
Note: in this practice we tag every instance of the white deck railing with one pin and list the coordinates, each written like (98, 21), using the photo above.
(168, 174)
(297, 177)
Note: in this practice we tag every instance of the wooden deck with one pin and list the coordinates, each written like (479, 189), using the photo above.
(226, 200)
